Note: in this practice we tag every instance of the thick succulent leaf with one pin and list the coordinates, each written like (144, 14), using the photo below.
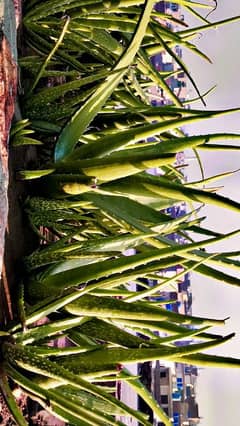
(162, 187)
(115, 308)
(59, 405)
(80, 121)
(27, 359)
(10, 401)
(142, 391)
(97, 359)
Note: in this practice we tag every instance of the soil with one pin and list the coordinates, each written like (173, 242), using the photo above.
(20, 240)
(17, 239)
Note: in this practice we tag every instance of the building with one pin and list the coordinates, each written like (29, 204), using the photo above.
(164, 62)
(173, 386)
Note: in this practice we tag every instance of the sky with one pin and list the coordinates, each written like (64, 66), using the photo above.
(219, 389)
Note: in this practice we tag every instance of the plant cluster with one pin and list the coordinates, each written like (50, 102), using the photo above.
(93, 193)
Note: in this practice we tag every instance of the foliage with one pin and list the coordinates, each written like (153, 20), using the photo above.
(93, 194)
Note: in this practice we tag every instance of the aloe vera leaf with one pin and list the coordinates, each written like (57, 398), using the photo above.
(178, 61)
(135, 108)
(219, 259)
(100, 329)
(82, 37)
(130, 211)
(112, 244)
(199, 161)
(206, 270)
(213, 257)
(51, 94)
(18, 126)
(34, 174)
(78, 124)
(142, 391)
(109, 22)
(132, 114)
(86, 8)
(118, 166)
(51, 304)
(116, 292)
(108, 144)
(137, 215)
(197, 15)
(204, 231)
(196, 99)
(97, 359)
(164, 188)
(55, 351)
(217, 275)
(162, 326)
(158, 287)
(10, 400)
(105, 244)
(50, 8)
(35, 41)
(27, 359)
(58, 405)
(207, 360)
(212, 179)
(83, 274)
(115, 308)
(155, 49)
(50, 55)
(219, 147)
(177, 225)
(40, 332)
(90, 400)
(192, 32)
(59, 185)
(43, 204)
(73, 259)
(67, 265)
(109, 332)
(160, 241)
(169, 18)
(172, 39)
(147, 68)
(21, 140)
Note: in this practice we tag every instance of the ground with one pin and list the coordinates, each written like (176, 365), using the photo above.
(17, 239)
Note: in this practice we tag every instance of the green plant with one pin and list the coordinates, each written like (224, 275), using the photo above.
(92, 193)
(89, 361)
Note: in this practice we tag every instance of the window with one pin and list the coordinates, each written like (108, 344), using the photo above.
(164, 399)
(160, 7)
(163, 374)
(181, 75)
(174, 7)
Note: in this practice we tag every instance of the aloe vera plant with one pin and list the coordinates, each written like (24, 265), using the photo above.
(76, 367)
(92, 193)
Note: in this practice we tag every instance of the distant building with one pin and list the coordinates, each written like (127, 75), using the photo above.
(164, 62)
(174, 389)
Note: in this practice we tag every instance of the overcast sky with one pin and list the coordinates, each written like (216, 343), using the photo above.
(219, 389)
